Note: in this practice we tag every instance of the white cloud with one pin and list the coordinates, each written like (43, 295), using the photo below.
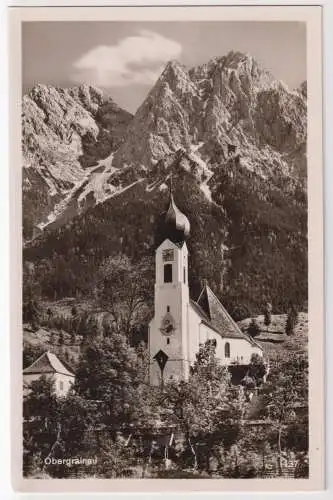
(134, 60)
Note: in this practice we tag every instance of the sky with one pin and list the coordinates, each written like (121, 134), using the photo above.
(125, 58)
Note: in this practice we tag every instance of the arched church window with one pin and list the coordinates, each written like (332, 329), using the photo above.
(168, 273)
(184, 272)
(227, 350)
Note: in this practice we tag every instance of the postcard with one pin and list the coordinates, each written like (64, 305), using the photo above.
(167, 249)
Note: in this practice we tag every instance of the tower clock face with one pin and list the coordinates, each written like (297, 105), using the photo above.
(167, 325)
(168, 255)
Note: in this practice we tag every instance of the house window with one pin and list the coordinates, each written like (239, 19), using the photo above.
(168, 309)
(61, 385)
(168, 273)
(227, 350)
(168, 340)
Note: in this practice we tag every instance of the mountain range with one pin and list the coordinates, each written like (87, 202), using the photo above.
(95, 179)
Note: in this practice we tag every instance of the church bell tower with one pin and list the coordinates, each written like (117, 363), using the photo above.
(168, 331)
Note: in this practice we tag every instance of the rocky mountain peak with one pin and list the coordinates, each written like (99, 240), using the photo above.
(229, 100)
(303, 89)
(87, 95)
(175, 77)
(173, 67)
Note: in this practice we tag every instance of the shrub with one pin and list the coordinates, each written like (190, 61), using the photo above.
(291, 322)
(268, 314)
(253, 329)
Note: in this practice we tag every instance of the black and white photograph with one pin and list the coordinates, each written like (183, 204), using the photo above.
(165, 249)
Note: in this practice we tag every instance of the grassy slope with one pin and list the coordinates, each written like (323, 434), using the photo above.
(48, 340)
(273, 338)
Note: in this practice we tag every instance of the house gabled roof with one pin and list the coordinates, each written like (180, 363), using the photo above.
(214, 314)
(47, 363)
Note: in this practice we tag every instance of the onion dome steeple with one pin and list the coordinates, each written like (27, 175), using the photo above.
(176, 224)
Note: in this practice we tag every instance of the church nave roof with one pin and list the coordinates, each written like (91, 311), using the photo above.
(214, 314)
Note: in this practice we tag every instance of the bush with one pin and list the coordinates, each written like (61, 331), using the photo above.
(253, 329)
(268, 314)
(291, 322)
(245, 467)
(302, 468)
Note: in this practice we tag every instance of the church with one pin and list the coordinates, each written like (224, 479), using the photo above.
(180, 324)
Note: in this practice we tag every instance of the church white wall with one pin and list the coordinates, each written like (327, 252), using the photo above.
(193, 334)
(240, 349)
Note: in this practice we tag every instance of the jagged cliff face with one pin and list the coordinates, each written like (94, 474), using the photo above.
(226, 106)
(65, 132)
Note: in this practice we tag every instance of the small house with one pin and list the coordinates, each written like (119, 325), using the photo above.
(50, 366)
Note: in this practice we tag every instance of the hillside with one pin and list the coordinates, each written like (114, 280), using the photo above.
(273, 339)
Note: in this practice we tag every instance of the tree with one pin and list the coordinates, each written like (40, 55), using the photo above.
(257, 368)
(292, 319)
(40, 423)
(31, 312)
(107, 373)
(31, 296)
(75, 416)
(253, 329)
(268, 315)
(53, 427)
(287, 386)
(251, 453)
(122, 288)
(207, 408)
